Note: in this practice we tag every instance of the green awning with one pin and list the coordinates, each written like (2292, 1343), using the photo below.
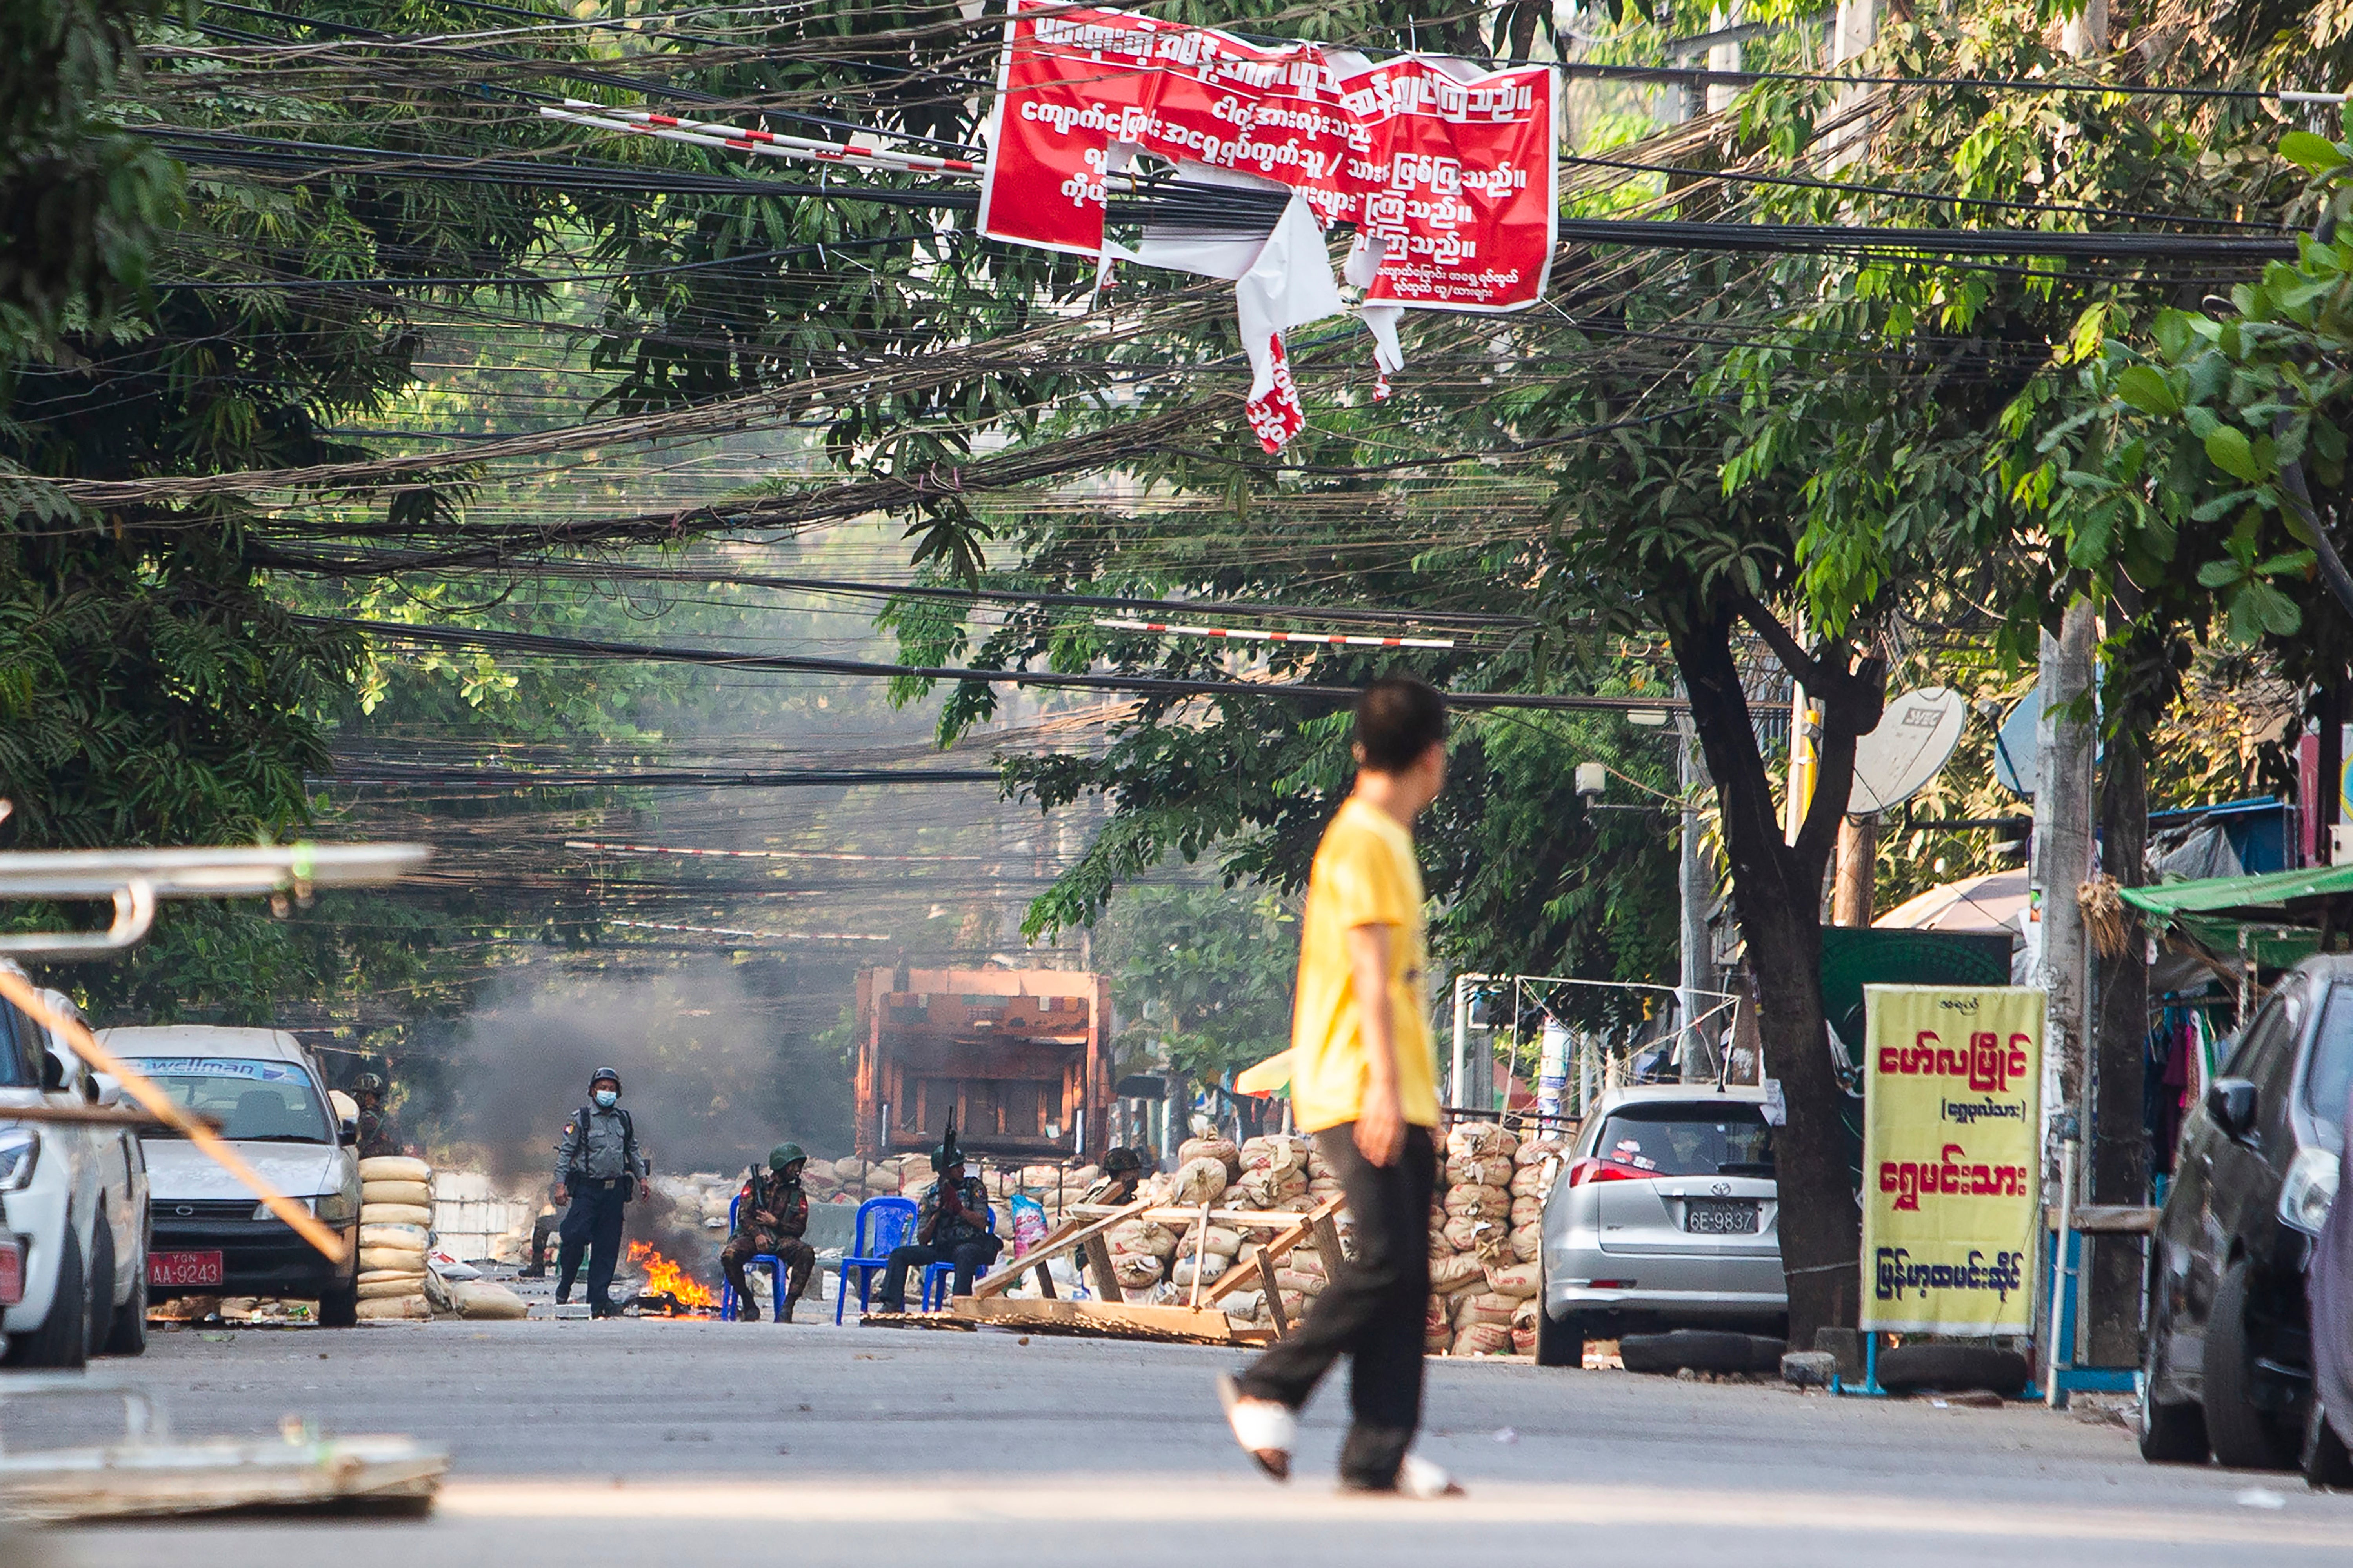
(2276, 917)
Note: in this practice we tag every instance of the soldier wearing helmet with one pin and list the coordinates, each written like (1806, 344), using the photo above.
(378, 1135)
(598, 1168)
(771, 1218)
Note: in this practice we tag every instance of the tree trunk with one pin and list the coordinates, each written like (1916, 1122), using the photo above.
(1776, 889)
(2119, 1152)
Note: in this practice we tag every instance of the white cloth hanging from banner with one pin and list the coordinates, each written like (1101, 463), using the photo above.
(1447, 168)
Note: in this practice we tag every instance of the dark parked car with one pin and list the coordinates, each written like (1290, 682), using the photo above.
(2228, 1361)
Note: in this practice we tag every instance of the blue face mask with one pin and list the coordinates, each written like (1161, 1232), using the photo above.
(607, 1098)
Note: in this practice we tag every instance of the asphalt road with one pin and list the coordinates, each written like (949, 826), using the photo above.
(637, 1441)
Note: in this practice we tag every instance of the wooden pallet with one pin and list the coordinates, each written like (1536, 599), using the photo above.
(1109, 1319)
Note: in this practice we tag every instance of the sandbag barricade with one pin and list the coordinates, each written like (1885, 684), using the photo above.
(396, 1229)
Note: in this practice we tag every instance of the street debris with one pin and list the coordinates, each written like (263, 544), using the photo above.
(149, 1474)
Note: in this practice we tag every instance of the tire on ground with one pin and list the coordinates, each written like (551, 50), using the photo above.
(1560, 1342)
(2327, 1464)
(1914, 1369)
(126, 1329)
(2168, 1433)
(1701, 1350)
(2244, 1436)
(63, 1339)
(98, 1316)
(340, 1308)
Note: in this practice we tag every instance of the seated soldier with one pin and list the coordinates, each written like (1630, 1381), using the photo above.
(1122, 1173)
(951, 1227)
(771, 1218)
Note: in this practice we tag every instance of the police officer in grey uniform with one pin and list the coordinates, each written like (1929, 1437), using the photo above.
(598, 1168)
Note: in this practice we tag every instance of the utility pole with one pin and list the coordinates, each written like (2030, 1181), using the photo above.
(1858, 871)
(1695, 1057)
(1853, 29)
(2063, 852)
(2085, 34)
(2114, 1021)
(1725, 57)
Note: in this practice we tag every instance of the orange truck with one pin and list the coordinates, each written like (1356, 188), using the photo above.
(1020, 1057)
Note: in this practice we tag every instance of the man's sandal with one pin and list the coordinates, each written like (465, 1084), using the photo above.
(1263, 1428)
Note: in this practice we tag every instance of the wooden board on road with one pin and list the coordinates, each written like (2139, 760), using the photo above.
(1117, 1320)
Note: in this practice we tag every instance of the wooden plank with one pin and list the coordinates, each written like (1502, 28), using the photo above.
(1131, 1320)
(1238, 1219)
(2107, 1219)
(1200, 1251)
(1107, 1285)
(1069, 1235)
(1274, 1295)
(915, 1320)
(1045, 1282)
(1276, 1247)
(1328, 1242)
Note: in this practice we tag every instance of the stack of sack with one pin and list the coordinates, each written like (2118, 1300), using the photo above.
(395, 1225)
(1485, 1233)
(1277, 1174)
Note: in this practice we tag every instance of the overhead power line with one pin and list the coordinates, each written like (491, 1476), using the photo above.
(762, 935)
(430, 777)
(386, 563)
(600, 846)
(1159, 685)
(1701, 74)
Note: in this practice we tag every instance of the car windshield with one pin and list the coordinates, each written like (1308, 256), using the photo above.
(2329, 1078)
(1687, 1140)
(260, 1101)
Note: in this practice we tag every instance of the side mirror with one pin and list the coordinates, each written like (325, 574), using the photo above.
(2230, 1106)
(347, 1130)
(53, 1072)
(105, 1089)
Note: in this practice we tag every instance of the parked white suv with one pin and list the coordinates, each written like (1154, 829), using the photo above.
(211, 1236)
(73, 1208)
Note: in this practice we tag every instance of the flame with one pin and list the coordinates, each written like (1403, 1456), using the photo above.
(662, 1276)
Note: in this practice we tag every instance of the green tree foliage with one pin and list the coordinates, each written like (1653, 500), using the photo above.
(2208, 473)
(1200, 977)
(78, 198)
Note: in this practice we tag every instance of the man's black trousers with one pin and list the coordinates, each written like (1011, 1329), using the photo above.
(592, 1224)
(971, 1259)
(1373, 1312)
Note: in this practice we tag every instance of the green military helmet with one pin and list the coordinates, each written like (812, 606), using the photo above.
(367, 1083)
(784, 1156)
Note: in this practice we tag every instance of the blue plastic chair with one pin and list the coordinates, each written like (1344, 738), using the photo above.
(892, 1221)
(938, 1277)
(730, 1309)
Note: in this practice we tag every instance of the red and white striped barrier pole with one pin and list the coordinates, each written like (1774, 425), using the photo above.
(736, 139)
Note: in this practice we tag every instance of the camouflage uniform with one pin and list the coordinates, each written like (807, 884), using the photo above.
(783, 1203)
(962, 1238)
(379, 1134)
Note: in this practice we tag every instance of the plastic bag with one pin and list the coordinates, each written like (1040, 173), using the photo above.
(1029, 1223)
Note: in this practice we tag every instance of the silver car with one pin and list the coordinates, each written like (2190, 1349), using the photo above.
(1665, 1217)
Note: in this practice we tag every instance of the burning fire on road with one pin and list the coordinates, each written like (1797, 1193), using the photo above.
(670, 1291)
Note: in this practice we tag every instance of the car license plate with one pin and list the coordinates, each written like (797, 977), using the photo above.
(1720, 1217)
(184, 1268)
(11, 1274)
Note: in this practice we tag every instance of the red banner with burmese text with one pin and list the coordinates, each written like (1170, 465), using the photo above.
(1449, 167)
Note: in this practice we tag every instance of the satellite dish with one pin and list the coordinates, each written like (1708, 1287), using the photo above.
(2016, 746)
(1917, 734)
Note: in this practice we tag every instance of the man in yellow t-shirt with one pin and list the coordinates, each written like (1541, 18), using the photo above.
(1363, 1081)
